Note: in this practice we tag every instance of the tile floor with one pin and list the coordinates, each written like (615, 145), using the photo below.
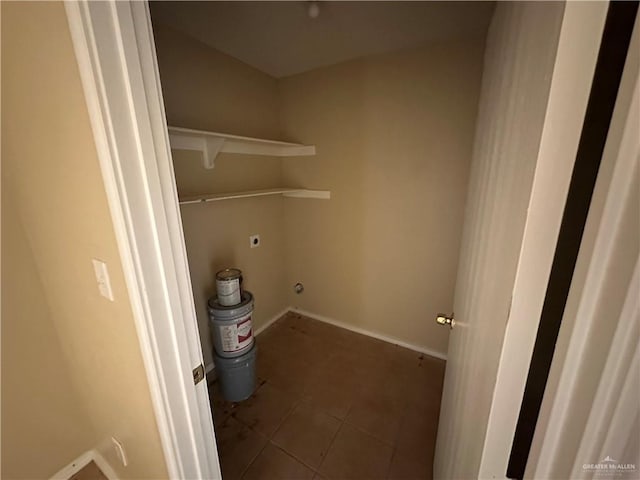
(91, 471)
(331, 404)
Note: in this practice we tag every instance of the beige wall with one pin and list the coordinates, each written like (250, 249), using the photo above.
(208, 90)
(205, 89)
(43, 426)
(59, 332)
(394, 135)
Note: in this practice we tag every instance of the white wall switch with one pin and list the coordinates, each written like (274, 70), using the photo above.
(102, 277)
(254, 241)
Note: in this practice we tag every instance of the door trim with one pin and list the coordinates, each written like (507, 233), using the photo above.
(582, 25)
(602, 98)
(115, 51)
(609, 412)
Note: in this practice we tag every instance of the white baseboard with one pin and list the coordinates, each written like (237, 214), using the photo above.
(271, 321)
(82, 461)
(369, 333)
(385, 338)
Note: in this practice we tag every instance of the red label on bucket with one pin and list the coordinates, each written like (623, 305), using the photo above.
(244, 330)
(237, 336)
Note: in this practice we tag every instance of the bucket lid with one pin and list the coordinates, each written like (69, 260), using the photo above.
(234, 361)
(218, 310)
(228, 274)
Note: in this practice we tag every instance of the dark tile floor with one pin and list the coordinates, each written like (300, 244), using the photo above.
(91, 471)
(331, 404)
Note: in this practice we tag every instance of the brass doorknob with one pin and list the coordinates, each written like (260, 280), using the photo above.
(443, 319)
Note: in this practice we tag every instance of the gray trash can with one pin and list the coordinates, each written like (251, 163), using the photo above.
(237, 375)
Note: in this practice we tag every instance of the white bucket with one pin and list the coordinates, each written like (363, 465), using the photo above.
(229, 287)
(231, 327)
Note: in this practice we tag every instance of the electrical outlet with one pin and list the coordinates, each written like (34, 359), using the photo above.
(102, 277)
(254, 241)
(122, 455)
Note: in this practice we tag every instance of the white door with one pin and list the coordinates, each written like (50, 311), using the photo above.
(534, 92)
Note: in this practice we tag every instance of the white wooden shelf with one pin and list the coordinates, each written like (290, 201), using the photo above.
(285, 192)
(212, 143)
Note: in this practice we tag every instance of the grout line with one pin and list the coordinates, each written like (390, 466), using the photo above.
(395, 451)
(348, 413)
(321, 412)
(290, 454)
(245, 469)
(369, 434)
(269, 438)
(284, 419)
(392, 444)
(335, 435)
(393, 455)
(299, 399)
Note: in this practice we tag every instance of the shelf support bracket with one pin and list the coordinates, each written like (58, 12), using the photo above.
(210, 147)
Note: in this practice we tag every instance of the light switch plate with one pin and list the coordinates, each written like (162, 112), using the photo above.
(102, 277)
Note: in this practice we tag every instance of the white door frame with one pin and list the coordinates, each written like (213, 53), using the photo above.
(114, 46)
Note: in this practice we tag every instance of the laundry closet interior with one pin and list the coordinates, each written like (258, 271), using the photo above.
(340, 134)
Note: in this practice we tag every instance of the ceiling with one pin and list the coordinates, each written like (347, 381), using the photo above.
(281, 39)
